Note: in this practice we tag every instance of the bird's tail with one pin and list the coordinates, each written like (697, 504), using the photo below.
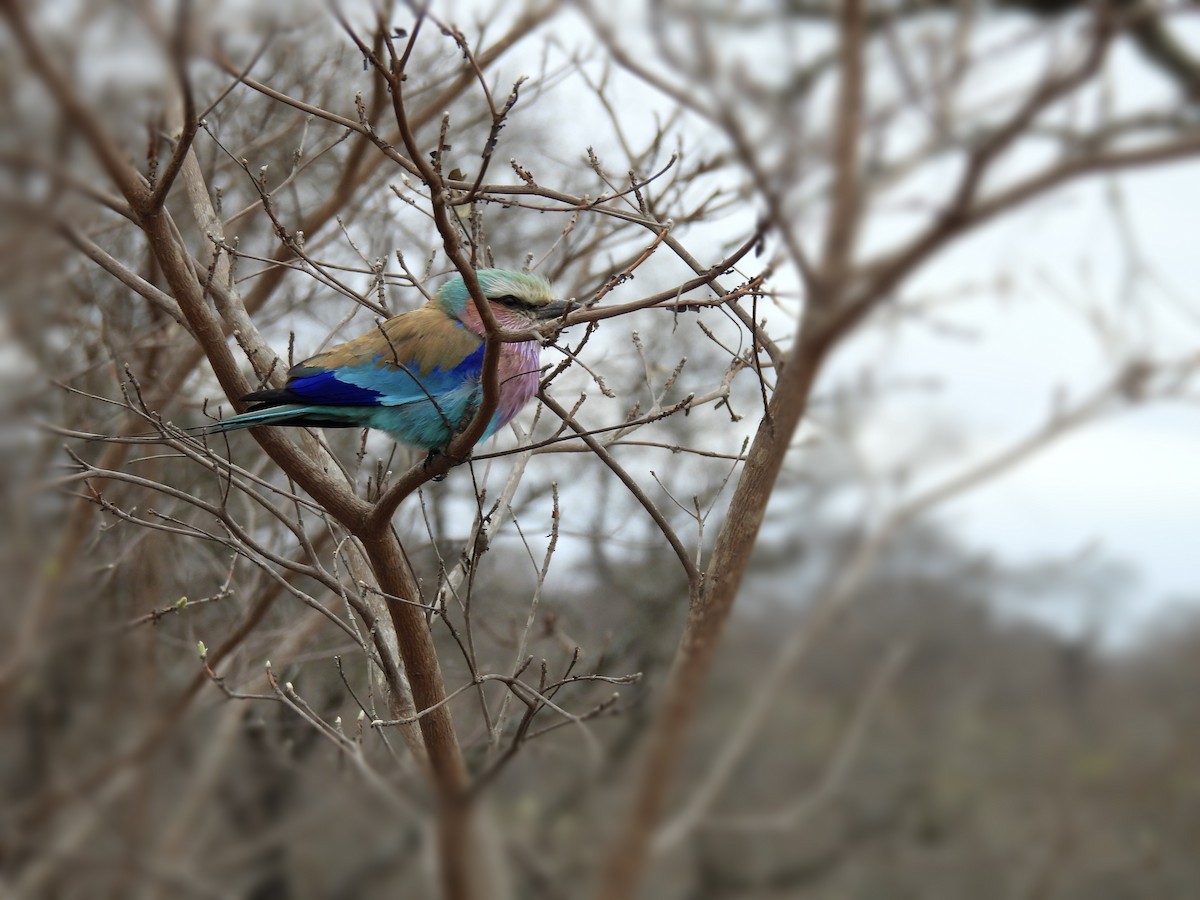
(302, 414)
(283, 414)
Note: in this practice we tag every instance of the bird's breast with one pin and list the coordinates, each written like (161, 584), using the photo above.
(519, 375)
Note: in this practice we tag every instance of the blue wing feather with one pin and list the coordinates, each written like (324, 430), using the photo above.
(396, 385)
(328, 388)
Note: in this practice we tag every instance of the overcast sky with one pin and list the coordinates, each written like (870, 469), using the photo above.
(1129, 485)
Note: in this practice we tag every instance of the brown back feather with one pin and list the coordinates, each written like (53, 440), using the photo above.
(422, 338)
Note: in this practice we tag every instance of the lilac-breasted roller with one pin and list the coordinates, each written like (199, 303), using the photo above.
(418, 375)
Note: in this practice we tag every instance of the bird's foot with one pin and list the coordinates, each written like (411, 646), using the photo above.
(429, 459)
(435, 454)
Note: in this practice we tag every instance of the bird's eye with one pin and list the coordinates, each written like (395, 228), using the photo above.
(508, 300)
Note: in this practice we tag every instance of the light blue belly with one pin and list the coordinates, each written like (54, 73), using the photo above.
(429, 424)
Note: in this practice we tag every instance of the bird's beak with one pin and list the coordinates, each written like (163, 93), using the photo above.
(554, 309)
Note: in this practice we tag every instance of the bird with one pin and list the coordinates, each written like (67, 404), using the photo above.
(418, 375)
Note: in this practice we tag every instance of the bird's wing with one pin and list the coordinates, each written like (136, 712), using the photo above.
(414, 356)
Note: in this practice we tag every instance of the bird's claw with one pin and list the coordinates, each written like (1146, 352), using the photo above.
(434, 454)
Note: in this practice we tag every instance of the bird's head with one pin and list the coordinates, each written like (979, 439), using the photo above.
(518, 299)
